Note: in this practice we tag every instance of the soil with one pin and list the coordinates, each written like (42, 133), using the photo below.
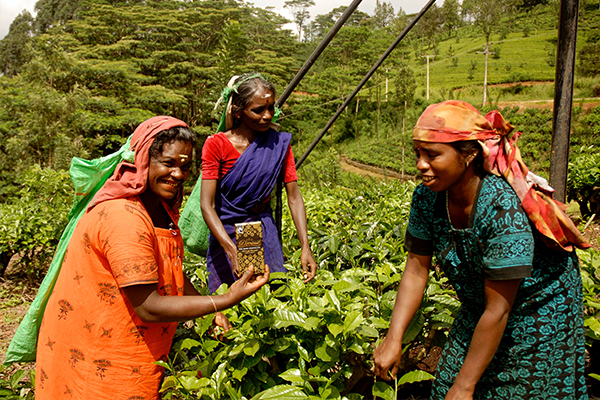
(350, 165)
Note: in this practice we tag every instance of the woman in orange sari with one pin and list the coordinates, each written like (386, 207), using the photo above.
(121, 289)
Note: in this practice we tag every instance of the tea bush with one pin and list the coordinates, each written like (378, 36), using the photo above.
(293, 340)
(583, 181)
(31, 225)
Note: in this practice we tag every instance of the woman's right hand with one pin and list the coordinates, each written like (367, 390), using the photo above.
(248, 284)
(387, 355)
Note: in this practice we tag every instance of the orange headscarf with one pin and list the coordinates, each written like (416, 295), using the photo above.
(130, 179)
(454, 120)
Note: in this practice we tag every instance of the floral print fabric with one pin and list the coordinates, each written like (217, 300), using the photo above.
(92, 344)
(541, 355)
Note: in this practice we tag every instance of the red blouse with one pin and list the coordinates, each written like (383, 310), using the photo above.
(219, 155)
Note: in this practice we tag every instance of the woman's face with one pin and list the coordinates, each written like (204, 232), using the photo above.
(170, 169)
(440, 164)
(259, 113)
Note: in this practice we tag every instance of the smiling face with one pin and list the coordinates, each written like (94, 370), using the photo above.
(258, 114)
(440, 164)
(170, 169)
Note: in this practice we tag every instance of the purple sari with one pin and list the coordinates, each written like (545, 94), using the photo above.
(239, 198)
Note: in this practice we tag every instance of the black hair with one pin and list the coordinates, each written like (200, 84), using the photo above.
(181, 133)
(246, 91)
(470, 147)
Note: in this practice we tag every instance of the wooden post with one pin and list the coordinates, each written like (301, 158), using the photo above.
(427, 56)
(486, 51)
(386, 85)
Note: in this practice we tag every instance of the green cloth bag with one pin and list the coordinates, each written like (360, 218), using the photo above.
(88, 176)
(194, 230)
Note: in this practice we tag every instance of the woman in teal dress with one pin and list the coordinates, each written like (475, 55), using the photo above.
(507, 249)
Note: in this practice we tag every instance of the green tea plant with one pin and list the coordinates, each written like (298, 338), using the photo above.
(293, 340)
(583, 181)
(590, 275)
(296, 341)
(32, 224)
(13, 386)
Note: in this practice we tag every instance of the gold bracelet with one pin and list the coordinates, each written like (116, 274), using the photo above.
(213, 303)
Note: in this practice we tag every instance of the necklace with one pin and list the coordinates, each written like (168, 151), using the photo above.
(448, 209)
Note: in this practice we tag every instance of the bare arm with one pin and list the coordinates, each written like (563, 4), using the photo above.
(152, 307)
(408, 300)
(220, 319)
(499, 297)
(298, 211)
(207, 204)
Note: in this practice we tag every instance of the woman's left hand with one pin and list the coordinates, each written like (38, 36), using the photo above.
(222, 321)
(221, 325)
(309, 265)
(456, 393)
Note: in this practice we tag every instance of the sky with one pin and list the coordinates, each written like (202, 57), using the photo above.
(9, 9)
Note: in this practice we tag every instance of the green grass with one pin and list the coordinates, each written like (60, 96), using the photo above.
(519, 58)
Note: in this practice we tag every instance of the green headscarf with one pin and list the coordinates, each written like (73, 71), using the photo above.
(234, 83)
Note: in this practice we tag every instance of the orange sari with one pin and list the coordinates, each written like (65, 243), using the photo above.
(92, 345)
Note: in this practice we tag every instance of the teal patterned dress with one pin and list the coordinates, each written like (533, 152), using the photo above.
(541, 355)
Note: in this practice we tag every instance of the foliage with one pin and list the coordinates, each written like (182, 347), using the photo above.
(583, 181)
(589, 59)
(590, 274)
(316, 340)
(32, 226)
(14, 48)
(299, 10)
(13, 387)
(93, 70)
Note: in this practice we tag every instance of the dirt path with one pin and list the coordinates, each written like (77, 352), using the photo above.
(369, 170)
(548, 104)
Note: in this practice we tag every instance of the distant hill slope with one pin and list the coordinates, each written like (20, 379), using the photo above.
(525, 51)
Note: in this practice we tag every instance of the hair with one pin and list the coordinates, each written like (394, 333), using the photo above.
(181, 133)
(243, 96)
(470, 147)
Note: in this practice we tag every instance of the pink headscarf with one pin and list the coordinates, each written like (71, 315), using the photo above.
(454, 120)
(131, 179)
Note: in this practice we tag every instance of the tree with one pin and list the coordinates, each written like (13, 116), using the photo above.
(384, 14)
(487, 13)
(451, 15)
(511, 7)
(322, 23)
(98, 72)
(430, 25)
(405, 94)
(589, 59)
(15, 48)
(299, 10)
(53, 12)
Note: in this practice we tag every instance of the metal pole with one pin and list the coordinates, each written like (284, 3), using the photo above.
(563, 96)
(290, 88)
(317, 52)
(362, 82)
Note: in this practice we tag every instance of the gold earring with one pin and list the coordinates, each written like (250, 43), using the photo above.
(467, 163)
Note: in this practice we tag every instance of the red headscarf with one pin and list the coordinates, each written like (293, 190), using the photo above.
(454, 120)
(131, 179)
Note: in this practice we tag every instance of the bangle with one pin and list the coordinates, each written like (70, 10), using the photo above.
(213, 303)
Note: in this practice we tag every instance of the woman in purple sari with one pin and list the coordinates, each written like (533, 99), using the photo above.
(240, 166)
